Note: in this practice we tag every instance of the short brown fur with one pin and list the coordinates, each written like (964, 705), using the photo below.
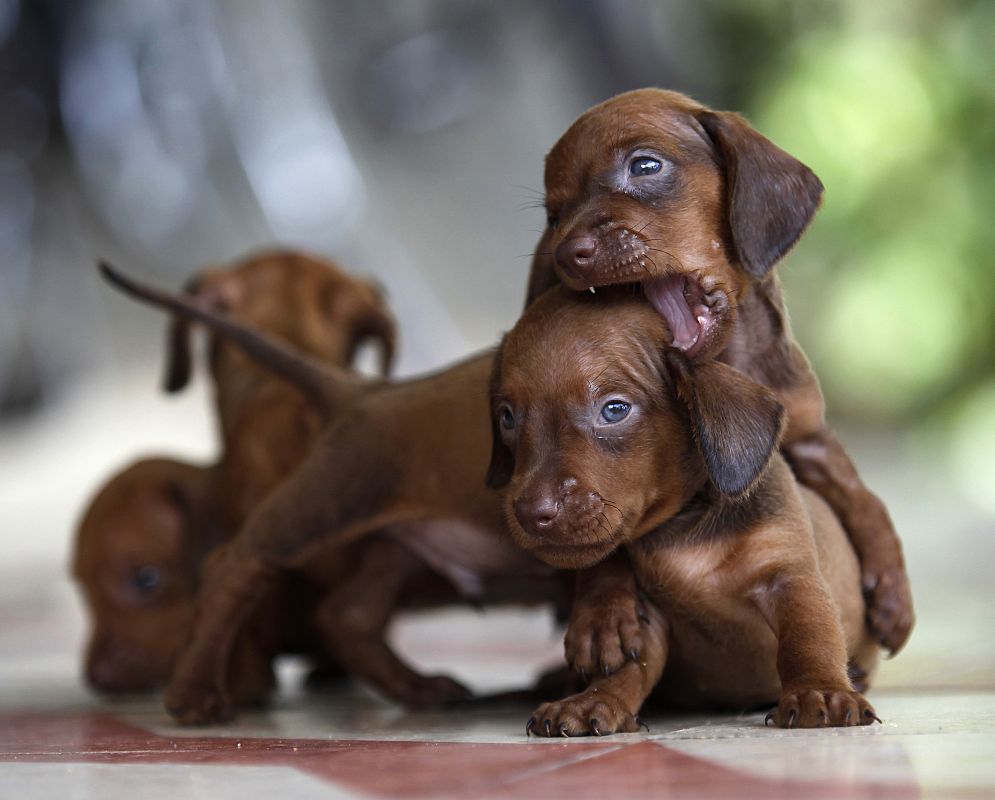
(751, 590)
(702, 235)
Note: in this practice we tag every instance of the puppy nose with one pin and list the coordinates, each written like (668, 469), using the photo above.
(536, 514)
(576, 253)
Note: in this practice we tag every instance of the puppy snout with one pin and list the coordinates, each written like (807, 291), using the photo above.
(577, 254)
(537, 514)
(112, 669)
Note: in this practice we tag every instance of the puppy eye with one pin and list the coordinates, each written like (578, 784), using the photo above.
(644, 165)
(146, 579)
(615, 411)
(552, 220)
(507, 418)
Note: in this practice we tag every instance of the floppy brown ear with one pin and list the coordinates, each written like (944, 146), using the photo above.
(735, 421)
(771, 196)
(178, 366)
(372, 319)
(502, 464)
(219, 289)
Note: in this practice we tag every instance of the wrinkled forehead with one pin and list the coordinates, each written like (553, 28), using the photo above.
(573, 346)
(607, 132)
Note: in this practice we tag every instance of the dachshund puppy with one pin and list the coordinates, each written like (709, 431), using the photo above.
(697, 208)
(133, 558)
(145, 534)
(267, 425)
(404, 460)
(609, 438)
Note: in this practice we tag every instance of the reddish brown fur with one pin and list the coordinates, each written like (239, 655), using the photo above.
(164, 516)
(754, 592)
(705, 231)
(404, 461)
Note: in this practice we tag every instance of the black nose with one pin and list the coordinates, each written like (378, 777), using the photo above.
(577, 254)
(536, 514)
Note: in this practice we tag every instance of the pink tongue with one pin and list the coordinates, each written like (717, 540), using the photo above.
(666, 295)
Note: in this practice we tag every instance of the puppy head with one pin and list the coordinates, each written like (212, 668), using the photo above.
(650, 187)
(135, 564)
(603, 431)
(309, 302)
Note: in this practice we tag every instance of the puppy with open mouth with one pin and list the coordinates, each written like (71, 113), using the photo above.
(696, 208)
(610, 440)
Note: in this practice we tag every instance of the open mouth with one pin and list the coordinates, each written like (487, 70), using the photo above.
(690, 311)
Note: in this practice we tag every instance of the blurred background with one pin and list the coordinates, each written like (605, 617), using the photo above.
(406, 140)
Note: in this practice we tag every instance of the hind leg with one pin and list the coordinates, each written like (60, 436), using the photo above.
(353, 620)
(295, 516)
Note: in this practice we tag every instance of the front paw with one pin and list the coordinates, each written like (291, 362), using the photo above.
(822, 708)
(196, 703)
(889, 606)
(600, 639)
(591, 712)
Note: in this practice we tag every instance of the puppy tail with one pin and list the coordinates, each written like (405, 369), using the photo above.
(325, 384)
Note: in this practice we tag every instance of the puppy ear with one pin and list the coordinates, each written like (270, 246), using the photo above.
(221, 291)
(736, 422)
(178, 364)
(372, 319)
(502, 464)
(771, 196)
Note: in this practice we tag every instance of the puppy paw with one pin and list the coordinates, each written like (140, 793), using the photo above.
(584, 714)
(889, 606)
(192, 703)
(822, 708)
(600, 639)
(433, 691)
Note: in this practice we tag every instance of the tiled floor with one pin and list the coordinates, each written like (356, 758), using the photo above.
(58, 741)
(937, 698)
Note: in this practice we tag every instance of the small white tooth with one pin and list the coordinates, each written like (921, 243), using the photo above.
(591, 289)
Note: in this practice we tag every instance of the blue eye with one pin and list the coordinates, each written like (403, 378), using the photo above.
(507, 418)
(146, 579)
(644, 165)
(615, 411)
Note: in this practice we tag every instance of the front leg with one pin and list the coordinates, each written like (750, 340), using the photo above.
(811, 657)
(605, 628)
(610, 703)
(820, 462)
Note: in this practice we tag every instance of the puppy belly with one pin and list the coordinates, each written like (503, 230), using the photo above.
(720, 668)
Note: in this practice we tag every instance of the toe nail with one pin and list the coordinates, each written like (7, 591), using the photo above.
(769, 718)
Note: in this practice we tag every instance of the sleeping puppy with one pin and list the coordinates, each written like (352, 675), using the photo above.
(697, 208)
(609, 439)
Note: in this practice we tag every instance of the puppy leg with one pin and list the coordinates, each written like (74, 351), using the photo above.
(811, 658)
(610, 703)
(605, 628)
(354, 618)
(820, 463)
(290, 519)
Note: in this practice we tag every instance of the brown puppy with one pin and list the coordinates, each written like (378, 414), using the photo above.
(267, 425)
(134, 555)
(608, 437)
(407, 458)
(142, 540)
(694, 205)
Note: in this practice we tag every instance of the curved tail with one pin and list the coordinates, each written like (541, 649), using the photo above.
(324, 383)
